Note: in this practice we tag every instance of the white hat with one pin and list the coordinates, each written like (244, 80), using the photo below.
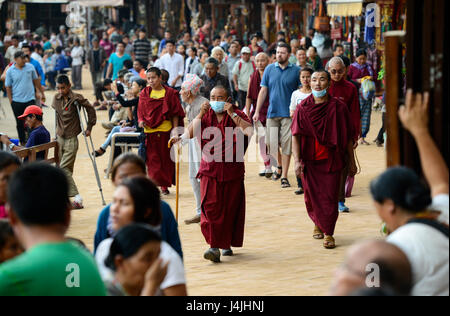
(246, 50)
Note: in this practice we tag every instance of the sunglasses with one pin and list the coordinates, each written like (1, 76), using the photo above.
(335, 72)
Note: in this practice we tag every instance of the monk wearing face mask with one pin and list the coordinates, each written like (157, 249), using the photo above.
(225, 136)
(321, 140)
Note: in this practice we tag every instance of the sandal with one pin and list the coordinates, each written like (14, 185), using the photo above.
(285, 183)
(99, 152)
(277, 175)
(317, 233)
(329, 242)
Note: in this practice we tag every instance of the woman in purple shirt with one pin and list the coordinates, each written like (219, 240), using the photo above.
(356, 72)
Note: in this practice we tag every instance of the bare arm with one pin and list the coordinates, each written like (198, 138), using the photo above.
(235, 82)
(248, 101)
(9, 93)
(261, 98)
(414, 116)
(108, 72)
(296, 153)
(176, 290)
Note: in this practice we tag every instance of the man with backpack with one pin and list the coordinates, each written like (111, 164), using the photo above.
(242, 71)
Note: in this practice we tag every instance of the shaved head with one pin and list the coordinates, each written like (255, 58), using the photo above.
(336, 61)
(262, 55)
(337, 69)
(261, 61)
(394, 268)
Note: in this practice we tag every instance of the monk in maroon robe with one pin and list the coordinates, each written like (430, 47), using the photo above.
(225, 133)
(321, 140)
(345, 91)
(159, 112)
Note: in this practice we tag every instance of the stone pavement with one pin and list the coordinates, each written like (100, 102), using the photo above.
(279, 256)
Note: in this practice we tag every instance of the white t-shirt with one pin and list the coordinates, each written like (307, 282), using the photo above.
(77, 55)
(175, 270)
(427, 251)
(440, 203)
(175, 67)
(297, 98)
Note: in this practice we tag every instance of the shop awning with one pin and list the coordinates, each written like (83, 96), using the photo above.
(344, 7)
(101, 3)
(45, 1)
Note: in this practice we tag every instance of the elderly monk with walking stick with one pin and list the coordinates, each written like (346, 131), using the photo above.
(225, 133)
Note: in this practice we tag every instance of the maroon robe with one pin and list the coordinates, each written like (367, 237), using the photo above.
(153, 112)
(253, 92)
(345, 91)
(326, 123)
(222, 183)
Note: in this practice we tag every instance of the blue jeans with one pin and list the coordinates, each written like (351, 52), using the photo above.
(115, 130)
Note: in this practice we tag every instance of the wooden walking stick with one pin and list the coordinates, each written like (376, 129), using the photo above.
(178, 181)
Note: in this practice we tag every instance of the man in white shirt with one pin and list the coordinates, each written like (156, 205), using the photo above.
(191, 61)
(37, 55)
(242, 71)
(174, 64)
(77, 64)
(9, 55)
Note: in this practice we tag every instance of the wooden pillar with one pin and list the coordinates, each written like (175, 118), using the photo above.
(393, 76)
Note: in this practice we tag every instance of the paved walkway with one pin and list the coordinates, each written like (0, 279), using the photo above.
(279, 257)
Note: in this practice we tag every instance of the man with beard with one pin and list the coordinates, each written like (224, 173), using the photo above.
(280, 80)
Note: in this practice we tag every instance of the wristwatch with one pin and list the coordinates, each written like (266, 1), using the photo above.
(11, 146)
(234, 115)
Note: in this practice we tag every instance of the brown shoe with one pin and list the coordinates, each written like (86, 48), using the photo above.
(193, 220)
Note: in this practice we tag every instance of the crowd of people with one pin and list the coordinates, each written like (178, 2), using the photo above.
(282, 94)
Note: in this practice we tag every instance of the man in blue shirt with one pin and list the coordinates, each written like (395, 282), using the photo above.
(280, 80)
(23, 88)
(39, 134)
(26, 49)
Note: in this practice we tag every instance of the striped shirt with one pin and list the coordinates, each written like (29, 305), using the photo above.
(142, 49)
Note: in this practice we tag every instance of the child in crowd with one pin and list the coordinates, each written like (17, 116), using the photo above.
(297, 97)
(8, 164)
(9, 245)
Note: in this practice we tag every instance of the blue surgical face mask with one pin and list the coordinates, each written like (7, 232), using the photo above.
(217, 106)
(319, 94)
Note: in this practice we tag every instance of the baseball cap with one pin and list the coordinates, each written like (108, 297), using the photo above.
(246, 50)
(32, 109)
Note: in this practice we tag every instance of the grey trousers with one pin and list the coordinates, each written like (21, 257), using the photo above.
(76, 76)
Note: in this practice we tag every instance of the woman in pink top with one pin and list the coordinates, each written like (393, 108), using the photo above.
(8, 164)
(107, 45)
